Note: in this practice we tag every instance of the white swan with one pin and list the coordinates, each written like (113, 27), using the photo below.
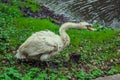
(44, 44)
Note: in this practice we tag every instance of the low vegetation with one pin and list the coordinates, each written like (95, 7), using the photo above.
(90, 54)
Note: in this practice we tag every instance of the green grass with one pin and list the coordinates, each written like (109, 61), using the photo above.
(8, 11)
(24, 27)
(97, 50)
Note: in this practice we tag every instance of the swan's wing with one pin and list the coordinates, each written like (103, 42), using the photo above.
(52, 40)
(41, 42)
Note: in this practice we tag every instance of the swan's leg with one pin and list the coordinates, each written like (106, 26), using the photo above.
(44, 57)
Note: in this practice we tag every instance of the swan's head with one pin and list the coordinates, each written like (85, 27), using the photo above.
(85, 25)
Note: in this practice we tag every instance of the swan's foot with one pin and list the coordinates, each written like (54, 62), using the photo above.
(47, 64)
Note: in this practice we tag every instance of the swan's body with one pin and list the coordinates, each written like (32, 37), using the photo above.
(44, 44)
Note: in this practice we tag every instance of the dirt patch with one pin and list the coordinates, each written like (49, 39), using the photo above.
(45, 12)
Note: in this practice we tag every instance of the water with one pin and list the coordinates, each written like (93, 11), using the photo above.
(95, 11)
(59, 6)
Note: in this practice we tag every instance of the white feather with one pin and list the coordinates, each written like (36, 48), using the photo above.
(45, 44)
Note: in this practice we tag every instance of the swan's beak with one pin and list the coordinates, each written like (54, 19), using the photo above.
(90, 28)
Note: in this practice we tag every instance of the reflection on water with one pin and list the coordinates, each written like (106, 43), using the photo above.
(103, 11)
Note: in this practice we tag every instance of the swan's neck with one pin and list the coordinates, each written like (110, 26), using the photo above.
(64, 36)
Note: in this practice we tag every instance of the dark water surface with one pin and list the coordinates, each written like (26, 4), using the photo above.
(95, 11)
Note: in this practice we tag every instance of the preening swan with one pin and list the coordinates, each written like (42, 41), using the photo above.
(44, 44)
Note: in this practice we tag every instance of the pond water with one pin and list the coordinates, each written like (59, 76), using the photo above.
(106, 12)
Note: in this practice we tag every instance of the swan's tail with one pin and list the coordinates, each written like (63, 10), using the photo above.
(19, 55)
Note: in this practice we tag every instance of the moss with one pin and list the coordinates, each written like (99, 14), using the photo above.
(117, 67)
(1, 57)
(34, 24)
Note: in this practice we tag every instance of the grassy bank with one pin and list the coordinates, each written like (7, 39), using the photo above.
(97, 51)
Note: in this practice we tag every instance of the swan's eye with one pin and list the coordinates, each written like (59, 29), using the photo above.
(88, 26)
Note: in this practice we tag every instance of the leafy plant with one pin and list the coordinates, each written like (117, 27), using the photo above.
(97, 72)
(31, 74)
(10, 74)
(112, 71)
